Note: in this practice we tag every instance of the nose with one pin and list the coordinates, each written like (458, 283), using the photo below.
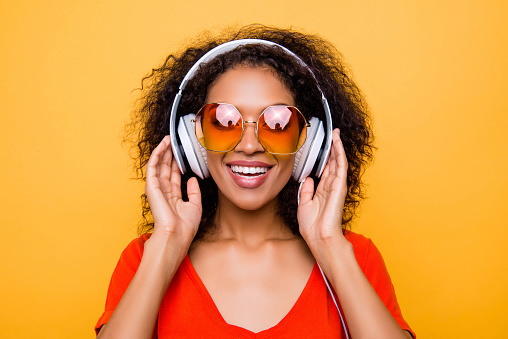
(249, 144)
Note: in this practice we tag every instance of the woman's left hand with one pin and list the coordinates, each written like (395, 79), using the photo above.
(319, 217)
(320, 214)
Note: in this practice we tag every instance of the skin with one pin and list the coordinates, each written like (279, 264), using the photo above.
(252, 243)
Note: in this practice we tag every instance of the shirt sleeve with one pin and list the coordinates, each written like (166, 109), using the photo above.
(122, 275)
(374, 268)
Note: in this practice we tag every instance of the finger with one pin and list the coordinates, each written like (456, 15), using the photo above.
(307, 191)
(176, 179)
(165, 162)
(165, 172)
(340, 155)
(151, 166)
(194, 192)
(324, 180)
(326, 171)
(333, 153)
(165, 167)
(337, 151)
(334, 169)
(166, 141)
(153, 161)
(336, 186)
(331, 166)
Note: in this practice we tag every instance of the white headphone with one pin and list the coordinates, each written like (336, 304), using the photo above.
(186, 147)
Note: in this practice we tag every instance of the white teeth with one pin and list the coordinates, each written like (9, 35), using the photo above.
(249, 170)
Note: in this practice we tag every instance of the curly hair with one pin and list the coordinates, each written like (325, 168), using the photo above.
(150, 122)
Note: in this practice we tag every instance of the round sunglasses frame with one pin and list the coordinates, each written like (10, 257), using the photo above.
(305, 126)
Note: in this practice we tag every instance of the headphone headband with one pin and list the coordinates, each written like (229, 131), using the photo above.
(224, 48)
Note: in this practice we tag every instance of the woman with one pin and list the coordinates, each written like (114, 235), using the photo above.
(238, 253)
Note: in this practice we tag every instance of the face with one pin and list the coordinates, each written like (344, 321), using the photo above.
(247, 176)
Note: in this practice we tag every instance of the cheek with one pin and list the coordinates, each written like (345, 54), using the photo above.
(286, 164)
(214, 163)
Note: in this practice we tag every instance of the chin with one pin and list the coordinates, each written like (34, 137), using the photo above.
(251, 201)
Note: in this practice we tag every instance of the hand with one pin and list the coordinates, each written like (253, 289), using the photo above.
(320, 214)
(172, 216)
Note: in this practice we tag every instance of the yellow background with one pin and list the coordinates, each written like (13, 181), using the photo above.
(435, 75)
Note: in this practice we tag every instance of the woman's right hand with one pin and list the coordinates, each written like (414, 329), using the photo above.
(175, 225)
(173, 217)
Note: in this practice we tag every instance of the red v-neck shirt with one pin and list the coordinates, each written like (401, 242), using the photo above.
(188, 311)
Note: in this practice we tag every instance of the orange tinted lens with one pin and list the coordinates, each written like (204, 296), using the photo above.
(218, 127)
(282, 129)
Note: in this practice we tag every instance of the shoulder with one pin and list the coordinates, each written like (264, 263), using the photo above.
(356, 238)
(127, 266)
(131, 255)
(366, 252)
(137, 245)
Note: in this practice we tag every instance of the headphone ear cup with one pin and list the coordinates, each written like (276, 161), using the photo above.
(298, 156)
(192, 149)
(307, 156)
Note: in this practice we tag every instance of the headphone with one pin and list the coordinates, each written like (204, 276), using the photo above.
(311, 157)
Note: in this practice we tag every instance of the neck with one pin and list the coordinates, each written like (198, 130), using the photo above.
(249, 227)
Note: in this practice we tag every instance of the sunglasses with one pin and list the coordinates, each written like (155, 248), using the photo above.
(280, 129)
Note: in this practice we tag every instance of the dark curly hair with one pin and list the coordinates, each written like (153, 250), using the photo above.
(150, 123)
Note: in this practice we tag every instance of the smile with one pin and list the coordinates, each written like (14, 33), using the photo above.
(247, 171)
(249, 174)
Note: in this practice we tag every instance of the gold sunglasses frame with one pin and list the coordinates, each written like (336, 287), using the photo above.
(306, 125)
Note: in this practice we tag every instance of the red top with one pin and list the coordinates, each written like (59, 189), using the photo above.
(188, 311)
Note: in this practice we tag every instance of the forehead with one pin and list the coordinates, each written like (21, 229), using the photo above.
(249, 88)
